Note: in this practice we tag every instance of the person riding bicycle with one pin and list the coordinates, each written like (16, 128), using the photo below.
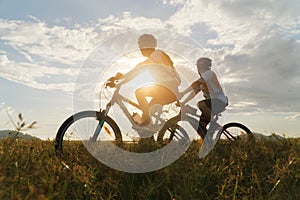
(215, 98)
(161, 67)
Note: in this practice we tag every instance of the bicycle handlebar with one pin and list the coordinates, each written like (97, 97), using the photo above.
(112, 81)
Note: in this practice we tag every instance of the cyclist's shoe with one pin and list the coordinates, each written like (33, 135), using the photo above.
(141, 121)
(136, 118)
(146, 120)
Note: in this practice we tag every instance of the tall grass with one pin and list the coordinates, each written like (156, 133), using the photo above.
(244, 170)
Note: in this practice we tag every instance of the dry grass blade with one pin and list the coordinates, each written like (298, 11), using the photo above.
(65, 165)
(22, 125)
(276, 184)
(32, 124)
(20, 116)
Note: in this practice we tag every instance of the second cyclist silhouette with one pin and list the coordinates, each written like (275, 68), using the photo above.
(215, 99)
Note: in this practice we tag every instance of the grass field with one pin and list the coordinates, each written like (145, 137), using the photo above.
(261, 169)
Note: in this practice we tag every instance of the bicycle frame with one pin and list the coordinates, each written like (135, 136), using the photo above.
(188, 114)
(119, 99)
(187, 110)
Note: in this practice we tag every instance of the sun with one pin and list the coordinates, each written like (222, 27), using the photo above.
(142, 79)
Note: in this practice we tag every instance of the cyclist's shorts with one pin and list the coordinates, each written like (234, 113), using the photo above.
(218, 105)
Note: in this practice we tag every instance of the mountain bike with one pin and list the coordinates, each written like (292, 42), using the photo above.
(231, 131)
(99, 126)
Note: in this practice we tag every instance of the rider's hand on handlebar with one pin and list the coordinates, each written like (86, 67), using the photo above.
(111, 82)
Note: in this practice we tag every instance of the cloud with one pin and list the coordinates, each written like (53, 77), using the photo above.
(129, 22)
(51, 51)
(47, 51)
(52, 44)
(29, 74)
(271, 70)
(234, 21)
(44, 52)
(254, 44)
(294, 116)
(173, 2)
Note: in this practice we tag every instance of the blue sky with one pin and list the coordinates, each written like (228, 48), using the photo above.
(255, 46)
(82, 12)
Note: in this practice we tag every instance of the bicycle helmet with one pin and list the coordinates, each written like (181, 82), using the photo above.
(204, 63)
(147, 41)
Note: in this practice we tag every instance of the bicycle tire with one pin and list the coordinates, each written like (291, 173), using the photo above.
(95, 118)
(229, 131)
(169, 130)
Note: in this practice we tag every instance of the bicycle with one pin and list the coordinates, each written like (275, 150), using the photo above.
(102, 125)
(231, 131)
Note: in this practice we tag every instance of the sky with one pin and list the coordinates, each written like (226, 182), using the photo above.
(254, 45)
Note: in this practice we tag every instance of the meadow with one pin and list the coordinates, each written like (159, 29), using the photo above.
(264, 169)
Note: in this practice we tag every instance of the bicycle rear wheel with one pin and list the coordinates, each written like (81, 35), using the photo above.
(234, 131)
(171, 131)
(88, 125)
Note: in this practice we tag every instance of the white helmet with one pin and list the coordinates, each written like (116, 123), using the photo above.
(204, 63)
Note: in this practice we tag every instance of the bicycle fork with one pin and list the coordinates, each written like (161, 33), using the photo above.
(101, 117)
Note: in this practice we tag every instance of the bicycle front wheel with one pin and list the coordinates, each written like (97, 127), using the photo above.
(88, 125)
(234, 131)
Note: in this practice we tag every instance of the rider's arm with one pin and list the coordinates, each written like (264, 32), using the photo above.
(130, 75)
(191, 96)
(187, 90)
(195, 87)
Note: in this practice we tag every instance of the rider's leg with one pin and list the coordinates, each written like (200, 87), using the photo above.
(206, 108)
(141, 94)
(152, 91)
(160, 95)
(205, 117)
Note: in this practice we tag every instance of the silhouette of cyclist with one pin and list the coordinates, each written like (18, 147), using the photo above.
(215, 100)
(161, 67)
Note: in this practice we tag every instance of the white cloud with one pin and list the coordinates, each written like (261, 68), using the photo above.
(235, 22)
(53, 44)
(294, 116)
(128, 22)
(57, 50)
(30, 73)
(255, 45)
(173, 2)
(251, 42)
(48, 52)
